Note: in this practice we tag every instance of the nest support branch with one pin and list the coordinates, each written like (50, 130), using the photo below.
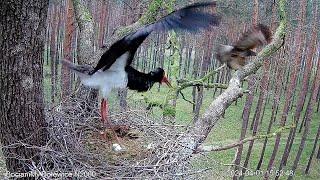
(202, 127)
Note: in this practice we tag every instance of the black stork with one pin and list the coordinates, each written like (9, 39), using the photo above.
(142, 82)
(113, 69)
(235, 56)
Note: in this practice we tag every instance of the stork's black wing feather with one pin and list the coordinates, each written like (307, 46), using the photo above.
(191, 18)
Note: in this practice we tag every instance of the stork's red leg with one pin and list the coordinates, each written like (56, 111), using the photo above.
(104, 113)
(105, 119)
(103, 110)
(106, 110)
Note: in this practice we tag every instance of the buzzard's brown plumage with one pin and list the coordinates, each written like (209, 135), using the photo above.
(235, 56)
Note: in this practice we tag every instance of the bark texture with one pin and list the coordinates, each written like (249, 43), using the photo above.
(22, 120)
(85, 48)
(67, 53)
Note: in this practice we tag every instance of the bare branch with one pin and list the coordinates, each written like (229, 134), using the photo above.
(210, 148)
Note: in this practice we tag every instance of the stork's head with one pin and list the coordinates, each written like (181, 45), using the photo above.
(159, 75)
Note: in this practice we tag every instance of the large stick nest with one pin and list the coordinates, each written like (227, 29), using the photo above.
(152, 146)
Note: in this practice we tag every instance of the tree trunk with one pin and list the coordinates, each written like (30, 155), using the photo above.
(198, 103)
(102, 26)
(85, 50)
(293, 80)
(303, 91)
(247, 108)
(313, 151)
(53, 49)
(206, 42)
(59, 49)
(276, 102)
(316, 86)
(318, 106)
(318, 154)
(67, 53)
(245, 120)
(22, 117)
(195, 76)
(277, 71)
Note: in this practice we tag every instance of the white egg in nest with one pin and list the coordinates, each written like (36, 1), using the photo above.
(116, 147)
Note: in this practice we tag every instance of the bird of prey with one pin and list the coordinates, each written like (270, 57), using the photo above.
(235, 56)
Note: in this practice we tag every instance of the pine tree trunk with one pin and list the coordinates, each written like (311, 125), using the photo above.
(277, 71)
(318, 106)
(48, 33)
(206, 42)
(102, 26)
(85, 51)
(53, 49)
(293, 80)
(262, 96)
(195, 75)
(318, 154)
(67, 53)
(276, 102)
(303, 91)
(22, 117)
(313, 151)
(245, 120)
(247, 109)
(316, 86)
(59, 49)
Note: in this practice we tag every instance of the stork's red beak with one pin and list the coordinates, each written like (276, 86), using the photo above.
(165, 80)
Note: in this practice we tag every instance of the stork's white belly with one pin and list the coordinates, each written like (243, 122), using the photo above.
(114, 77)
(105, 81)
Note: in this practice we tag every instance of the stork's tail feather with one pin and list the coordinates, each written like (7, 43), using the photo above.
(81, 70)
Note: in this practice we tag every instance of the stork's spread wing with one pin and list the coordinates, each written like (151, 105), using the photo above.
(257, 36)
(191, 18)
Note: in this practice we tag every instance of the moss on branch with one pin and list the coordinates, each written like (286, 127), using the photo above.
(83, 15)
(150, 15)
(147, 18)
(184, 83)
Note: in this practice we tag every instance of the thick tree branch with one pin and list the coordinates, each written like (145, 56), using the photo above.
(198, 133)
